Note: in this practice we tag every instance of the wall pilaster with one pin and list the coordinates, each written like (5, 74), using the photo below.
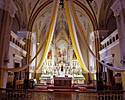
(98, 35)
(119, 12)
(9, 10)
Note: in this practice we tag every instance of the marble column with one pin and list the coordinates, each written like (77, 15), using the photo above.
(119, 12)
(8, 10)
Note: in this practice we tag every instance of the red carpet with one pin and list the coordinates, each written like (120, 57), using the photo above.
(64, 88)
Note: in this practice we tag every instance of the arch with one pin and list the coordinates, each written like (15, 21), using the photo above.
(33, 17)
(92, 19)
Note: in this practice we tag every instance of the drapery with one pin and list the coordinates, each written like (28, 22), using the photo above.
(26, 66)
(50, 31)
(81, 32)
(73, 35)
(82, 35)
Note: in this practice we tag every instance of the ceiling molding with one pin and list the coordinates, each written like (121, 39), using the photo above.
(34, 16)
(33, 9)
(92, 18)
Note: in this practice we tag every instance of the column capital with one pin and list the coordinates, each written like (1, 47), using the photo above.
(8, 5)
(116, 8)
(33, 37)
(96, 34)
(92, 36)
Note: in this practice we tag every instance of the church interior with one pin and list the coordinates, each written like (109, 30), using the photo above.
(62, 45)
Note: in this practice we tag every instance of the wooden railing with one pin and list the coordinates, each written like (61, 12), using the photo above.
(102, 95)
(9, 94)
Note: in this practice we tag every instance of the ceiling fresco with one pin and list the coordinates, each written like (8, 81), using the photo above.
(33, 15)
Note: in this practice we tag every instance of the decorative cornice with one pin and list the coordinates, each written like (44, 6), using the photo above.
(116, 42)
(18, 48)
(18, 57)
(17, 38)
(108, 59)
(109, 37)
(8, 5)
(116, 8)
(109, 47)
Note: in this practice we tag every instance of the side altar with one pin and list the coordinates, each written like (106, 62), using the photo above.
(62, 81)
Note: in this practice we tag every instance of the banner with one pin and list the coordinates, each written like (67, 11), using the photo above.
(82, 35)
(50, 31)
(73, 35)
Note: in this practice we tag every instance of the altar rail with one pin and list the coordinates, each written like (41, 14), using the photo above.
(9, 94)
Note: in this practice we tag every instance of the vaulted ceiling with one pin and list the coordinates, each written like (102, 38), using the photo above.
(34, 15)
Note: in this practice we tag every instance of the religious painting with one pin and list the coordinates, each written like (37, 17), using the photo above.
(49, 54)
(62, 51)
(61, 54)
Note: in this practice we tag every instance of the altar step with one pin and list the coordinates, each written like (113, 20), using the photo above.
(62, 88)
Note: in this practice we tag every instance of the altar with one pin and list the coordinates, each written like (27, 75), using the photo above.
(62, 81)
(61, 67)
